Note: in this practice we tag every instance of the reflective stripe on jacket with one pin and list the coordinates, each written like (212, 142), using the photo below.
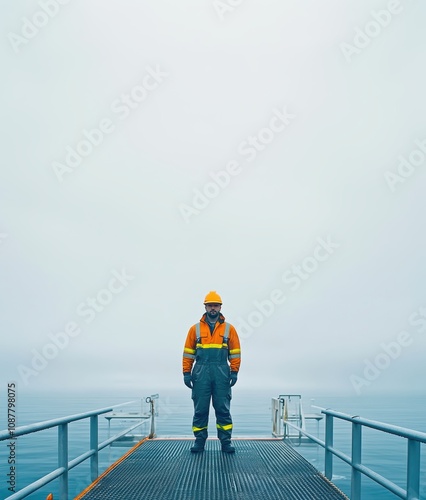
(214, 342)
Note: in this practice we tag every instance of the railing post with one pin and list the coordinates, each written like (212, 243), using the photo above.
(275, 405)
(286, 428)
(152, 431)
(63, 460)
(94, 459)
(356, 460)
(413, 469)
(328, 460)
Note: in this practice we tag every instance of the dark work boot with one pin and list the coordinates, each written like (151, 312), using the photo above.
(198, 446)
(227, 448)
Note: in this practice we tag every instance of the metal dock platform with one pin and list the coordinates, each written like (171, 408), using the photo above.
(266, 469)
(262, 468)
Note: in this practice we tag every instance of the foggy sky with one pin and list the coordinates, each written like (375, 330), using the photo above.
(271, 150)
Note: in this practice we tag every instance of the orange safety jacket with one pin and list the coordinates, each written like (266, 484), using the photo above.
(213, 340)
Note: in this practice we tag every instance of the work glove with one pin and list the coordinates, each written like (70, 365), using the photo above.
(233, 379)
(187, 379)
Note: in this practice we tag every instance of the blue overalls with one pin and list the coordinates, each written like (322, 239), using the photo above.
(211, 378)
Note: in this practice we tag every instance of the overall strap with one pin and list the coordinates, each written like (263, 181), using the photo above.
(198, 333)
(226, 334)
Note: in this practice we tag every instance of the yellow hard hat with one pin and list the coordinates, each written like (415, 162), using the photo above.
(213, 298)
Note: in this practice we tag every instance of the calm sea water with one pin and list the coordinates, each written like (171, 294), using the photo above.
(37, 453)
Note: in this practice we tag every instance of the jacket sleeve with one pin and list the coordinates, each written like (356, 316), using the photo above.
(189, 350)
(234, 350)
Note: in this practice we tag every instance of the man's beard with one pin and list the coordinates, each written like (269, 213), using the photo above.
(213, 315)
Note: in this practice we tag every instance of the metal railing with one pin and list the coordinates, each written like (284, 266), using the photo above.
(288, 408)
(64, 465)
(414, 440)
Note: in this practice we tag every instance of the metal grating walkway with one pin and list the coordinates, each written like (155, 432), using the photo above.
(165, 469)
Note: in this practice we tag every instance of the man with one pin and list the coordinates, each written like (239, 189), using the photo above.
(215, 347)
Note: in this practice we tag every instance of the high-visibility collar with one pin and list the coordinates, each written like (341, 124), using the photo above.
(221, 318)
(225, 335)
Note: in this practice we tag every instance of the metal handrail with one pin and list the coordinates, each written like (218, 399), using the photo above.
(64, 466)
(414, 440)
(48, 424)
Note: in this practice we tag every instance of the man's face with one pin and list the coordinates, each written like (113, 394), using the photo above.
(213, 310)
